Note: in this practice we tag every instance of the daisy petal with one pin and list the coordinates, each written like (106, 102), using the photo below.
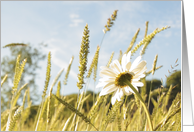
(128, 56)
(107, 69)
(110, 87)
(132, 90)
(107, 73)
(135, 63)
(124, 58)
(138, 76)
(106, 79)
(136, 79)
(137, 83)
(140, 66)
(131, 73)
(113, 99)
(128, 66)
(126, 90)
(101, 84)
(116, 66)
(136, 88)
(141, 71)
(109, 84)
(117, 95)
(108, 90)
(120, 94)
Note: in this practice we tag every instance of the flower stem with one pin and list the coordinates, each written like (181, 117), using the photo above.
(143, 103)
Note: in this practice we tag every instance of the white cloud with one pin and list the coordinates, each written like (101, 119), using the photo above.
(74, 16)
(75, 20)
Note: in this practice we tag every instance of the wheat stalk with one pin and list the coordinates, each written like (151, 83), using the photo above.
(15, 44)
(84, 50)
(3, 80)
(68, 70)
(132, 41)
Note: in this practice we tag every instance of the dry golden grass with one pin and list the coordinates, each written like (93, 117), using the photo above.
(58, 113)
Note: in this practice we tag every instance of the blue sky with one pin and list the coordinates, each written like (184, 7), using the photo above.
(60, 24)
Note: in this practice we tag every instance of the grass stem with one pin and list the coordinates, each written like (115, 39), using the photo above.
(143, 104)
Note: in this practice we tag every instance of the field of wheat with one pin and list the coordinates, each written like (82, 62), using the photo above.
(122, 105)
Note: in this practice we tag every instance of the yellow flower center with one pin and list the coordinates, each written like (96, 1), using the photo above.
(121, 78)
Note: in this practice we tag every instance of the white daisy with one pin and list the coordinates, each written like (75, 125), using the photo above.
(113, 78)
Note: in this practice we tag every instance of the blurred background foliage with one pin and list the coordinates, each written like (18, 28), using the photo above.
(34, 55)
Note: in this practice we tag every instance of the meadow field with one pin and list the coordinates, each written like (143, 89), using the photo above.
(126, 101)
